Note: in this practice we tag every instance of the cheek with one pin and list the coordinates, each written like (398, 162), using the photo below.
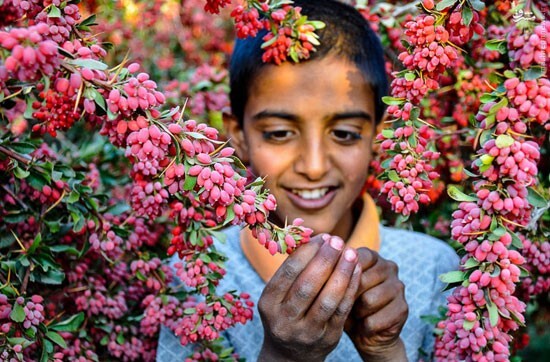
(356, 165)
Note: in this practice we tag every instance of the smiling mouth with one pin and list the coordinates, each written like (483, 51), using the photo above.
(311, 194)
(311, 199)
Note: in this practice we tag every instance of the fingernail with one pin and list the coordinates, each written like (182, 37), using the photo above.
(325, 237)
(336, 243)
(350, 255)
(357, 269)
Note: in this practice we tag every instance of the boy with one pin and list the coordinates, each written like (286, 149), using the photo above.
(309, 128)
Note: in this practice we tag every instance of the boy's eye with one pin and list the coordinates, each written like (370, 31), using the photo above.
(279, 135)
(346, 135)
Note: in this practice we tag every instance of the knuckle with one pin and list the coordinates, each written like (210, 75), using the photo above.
(291, 270)
(400, 287)
(392, 266)
(327, 305)
(304, 291)
(343, 309)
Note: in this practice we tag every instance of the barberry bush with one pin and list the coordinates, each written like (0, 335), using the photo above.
(103, 174)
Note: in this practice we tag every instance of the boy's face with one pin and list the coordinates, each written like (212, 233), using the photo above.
(308, 129)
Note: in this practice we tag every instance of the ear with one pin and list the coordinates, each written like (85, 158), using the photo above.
(236, 136)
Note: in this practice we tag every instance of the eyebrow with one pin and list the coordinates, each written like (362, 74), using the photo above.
(294, 118)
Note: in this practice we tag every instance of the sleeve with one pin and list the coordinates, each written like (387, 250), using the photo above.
(448, 261)
(170, 349)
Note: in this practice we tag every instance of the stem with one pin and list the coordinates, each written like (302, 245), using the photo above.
(16, 156)
(3, 279)
(26, 279)
(19, 201)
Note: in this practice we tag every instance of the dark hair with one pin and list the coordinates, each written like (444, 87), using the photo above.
(347, 35)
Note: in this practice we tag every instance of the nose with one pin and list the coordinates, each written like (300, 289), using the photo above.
(313, 161)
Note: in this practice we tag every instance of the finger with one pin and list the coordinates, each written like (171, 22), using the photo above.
(381, 271)
(309, 283)
(386, 323)
(367, 258)
(335, 289)
(346, 304)
(286, 275)
(376, 298)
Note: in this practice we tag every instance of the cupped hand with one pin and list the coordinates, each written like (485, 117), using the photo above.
(305, 305)
(380, 310)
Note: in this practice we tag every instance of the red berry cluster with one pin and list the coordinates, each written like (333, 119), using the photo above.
(411, 175)
(537, 263)
(56, 111)
(530, 47)
(205, 321)
(530, 97)
(31, 53)
(461, 33)
(60, 27)
(431, 51)
(139, 93)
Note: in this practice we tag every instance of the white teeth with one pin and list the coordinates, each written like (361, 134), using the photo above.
(311, 194)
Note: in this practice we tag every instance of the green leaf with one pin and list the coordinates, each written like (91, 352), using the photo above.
(415, 113)
(388, 133)
(104, 340)
(74, 196)
(534, 72)
(64, 249)
(54, 12)
(120, 339)
(471, 263)
(509, 74)
(504, 141)
(190, 182)
(35, 244)
(486, 98)
(499, 231)
(467, 15)
(468, 325)
(477, 4)
(516, 241)
(98, 98)
(53, 277)
(392, 101)
(536, 199)
(457, 195)
(410, 76)
(493, 313)
(18, 313)
(502, 103)
(20, 340)
(392, 175)
(497, 44)
(445, 4)
(140, 276)
(56, 338)
(88, 63)
(89, 21)
(20, 173)
(452, 277)
(22, 147)
(494, 224)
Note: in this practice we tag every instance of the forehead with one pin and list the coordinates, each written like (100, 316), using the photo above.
(321, 86)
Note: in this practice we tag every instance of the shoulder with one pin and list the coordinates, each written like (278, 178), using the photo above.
(417, 248)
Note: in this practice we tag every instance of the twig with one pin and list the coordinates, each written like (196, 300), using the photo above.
(19, 201)
(26, 279)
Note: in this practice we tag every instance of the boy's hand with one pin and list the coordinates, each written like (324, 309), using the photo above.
(306, 303)
(380, 310)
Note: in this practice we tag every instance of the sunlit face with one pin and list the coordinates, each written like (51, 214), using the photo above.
(308, 129)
